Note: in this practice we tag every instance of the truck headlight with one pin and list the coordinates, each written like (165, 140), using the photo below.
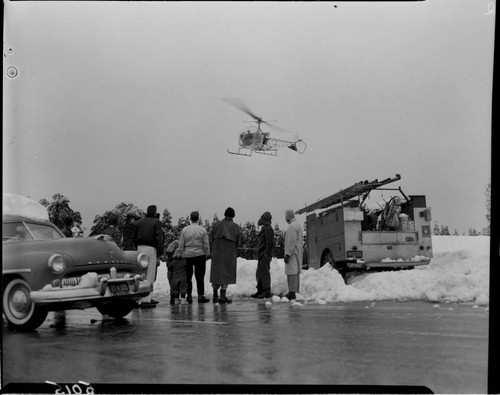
(142, 260)
(57, 263)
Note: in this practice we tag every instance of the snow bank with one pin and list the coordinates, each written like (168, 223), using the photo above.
(459, 272)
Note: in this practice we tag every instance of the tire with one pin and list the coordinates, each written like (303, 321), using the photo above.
(327, 258)
(116, 308)
(21, 313)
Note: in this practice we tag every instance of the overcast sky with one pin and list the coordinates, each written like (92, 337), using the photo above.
(121, 102)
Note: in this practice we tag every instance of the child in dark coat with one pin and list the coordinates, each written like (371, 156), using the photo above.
(177, 277)
(169, 252)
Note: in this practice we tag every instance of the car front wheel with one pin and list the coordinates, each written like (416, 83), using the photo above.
(19, 310)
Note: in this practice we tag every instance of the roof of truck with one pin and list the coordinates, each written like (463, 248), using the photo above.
(354, 190)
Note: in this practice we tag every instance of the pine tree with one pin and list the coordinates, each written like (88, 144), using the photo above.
(210, 230)
(436, 231)
(473, 232)
(177, 229)
(166, 221)
(167, 228)
(487, 228)
(59, 209)
(128, 214)
(279, 242)
(248, 241)
(444, 230)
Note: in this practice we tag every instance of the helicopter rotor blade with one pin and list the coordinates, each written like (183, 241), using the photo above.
(280, 129)
(237, 103)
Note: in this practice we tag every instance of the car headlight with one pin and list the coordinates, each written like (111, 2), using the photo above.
(142, 260)
(57, 263)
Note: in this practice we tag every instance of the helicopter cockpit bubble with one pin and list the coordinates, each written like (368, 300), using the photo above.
(246, 139)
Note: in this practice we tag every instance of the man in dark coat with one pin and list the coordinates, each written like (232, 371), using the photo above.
(226, 236)
(265, 245)
(68, 224)
(113, 231)
(148, 238)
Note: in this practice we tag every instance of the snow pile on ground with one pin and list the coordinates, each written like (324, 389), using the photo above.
(459, 272)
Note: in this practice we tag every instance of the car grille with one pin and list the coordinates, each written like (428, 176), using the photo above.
(75, 280)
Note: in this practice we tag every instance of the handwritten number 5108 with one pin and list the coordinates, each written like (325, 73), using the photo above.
(73, 389)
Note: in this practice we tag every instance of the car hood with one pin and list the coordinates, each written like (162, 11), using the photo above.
(77, 250)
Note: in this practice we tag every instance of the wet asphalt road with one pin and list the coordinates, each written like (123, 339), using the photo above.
(443, 348)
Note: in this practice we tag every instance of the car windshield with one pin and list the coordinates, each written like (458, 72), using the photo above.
(19, 231)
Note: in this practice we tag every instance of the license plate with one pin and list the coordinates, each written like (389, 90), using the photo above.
(355, 254)
(119, 289)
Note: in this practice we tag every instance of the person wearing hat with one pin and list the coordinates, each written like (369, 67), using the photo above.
(293, 254)
(265, 246)
(148, 238)
(226, 236)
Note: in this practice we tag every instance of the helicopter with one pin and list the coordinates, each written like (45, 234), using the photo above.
(254, 139)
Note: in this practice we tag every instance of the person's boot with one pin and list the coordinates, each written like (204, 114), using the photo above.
(223, 298)
(203, 299)
(189, 299)
(290, 296)
(172, 299)
(264, 295)
(256, 294)
(216, 296)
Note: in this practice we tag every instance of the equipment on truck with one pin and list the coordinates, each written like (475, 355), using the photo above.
(254, 139)
(391, 234)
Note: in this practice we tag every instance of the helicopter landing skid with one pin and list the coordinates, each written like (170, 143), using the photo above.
(272, 152)
(239, 153)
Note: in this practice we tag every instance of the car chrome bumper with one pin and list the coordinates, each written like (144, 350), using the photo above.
(125, 288)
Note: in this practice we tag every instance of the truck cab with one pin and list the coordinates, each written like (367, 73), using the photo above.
(350, 235)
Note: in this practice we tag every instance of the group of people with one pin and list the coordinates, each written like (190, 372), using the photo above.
(293, 255)
(188, 256)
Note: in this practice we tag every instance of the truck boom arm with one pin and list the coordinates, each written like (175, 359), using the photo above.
(354, 190)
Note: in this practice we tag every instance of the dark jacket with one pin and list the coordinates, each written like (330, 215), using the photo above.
(176, 275)
(178, 267)
(265, 241)
(147, 231)
(115, 234)
(226, 237)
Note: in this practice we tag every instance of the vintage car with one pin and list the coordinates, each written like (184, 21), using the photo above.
(42, 270)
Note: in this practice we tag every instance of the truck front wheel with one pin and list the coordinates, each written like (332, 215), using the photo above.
(327, 257)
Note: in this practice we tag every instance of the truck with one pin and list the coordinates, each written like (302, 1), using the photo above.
(342, 230)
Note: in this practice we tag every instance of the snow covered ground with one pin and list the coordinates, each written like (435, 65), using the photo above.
(459, 272)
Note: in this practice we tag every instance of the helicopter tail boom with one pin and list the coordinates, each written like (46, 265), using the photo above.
(298, 146)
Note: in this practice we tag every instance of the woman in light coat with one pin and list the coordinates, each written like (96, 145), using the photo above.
(293, 254)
